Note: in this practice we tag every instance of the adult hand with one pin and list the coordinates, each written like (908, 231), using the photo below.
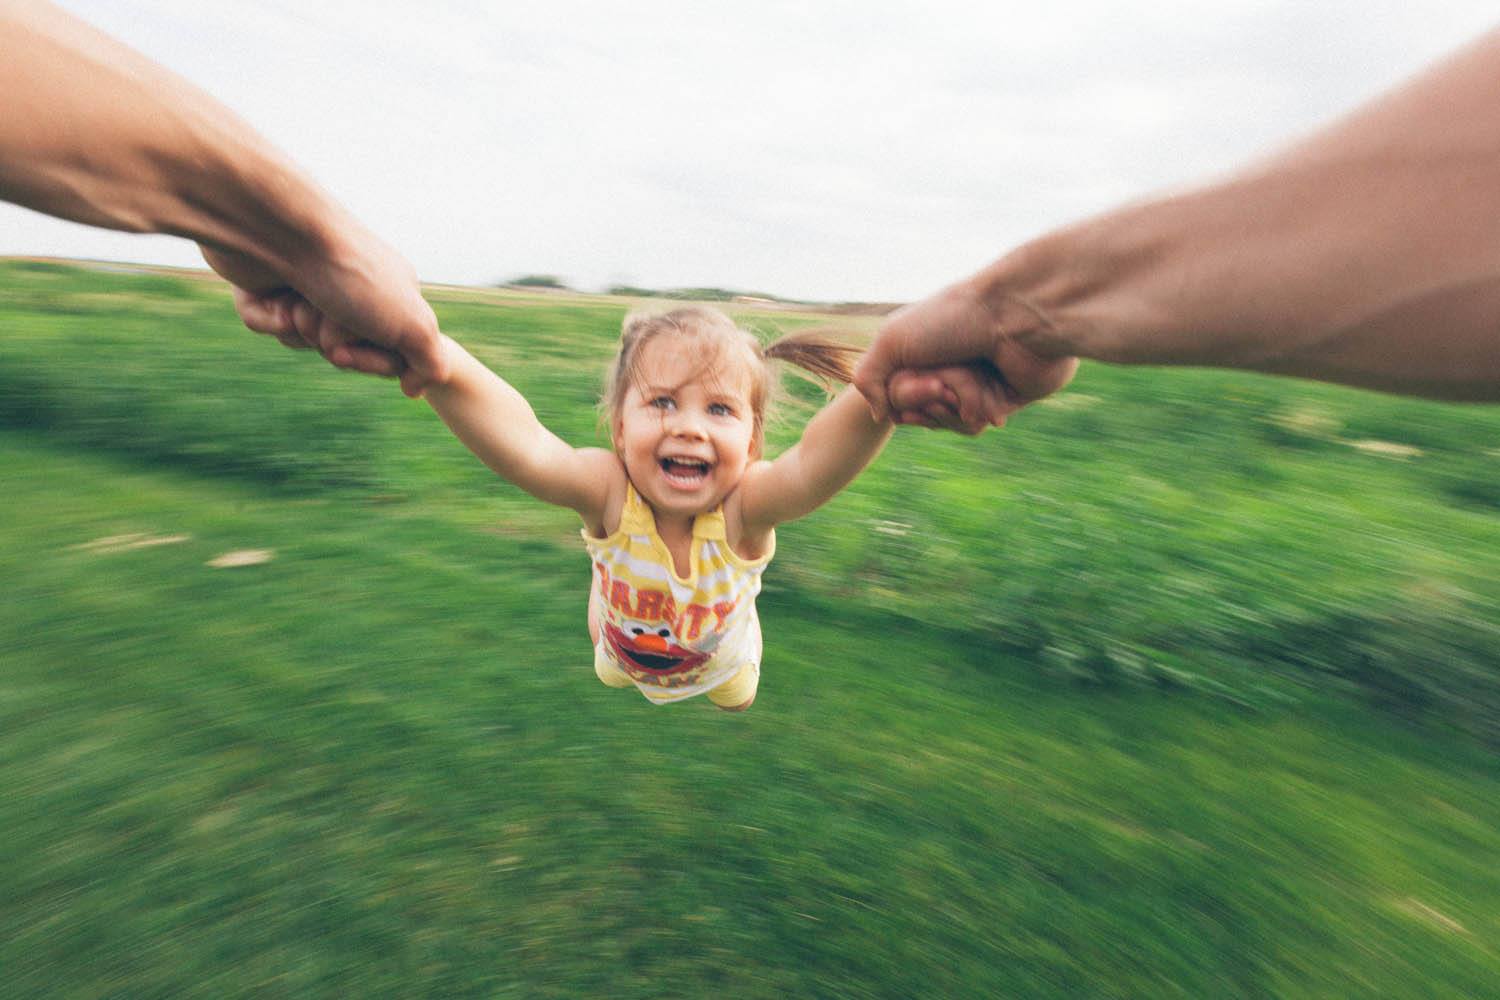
(959, 398)
(911, 365)
(365, 313)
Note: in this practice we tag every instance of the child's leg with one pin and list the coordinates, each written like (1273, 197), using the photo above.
(738, 693)
(604, 667)
(607, 672)
(594, 613)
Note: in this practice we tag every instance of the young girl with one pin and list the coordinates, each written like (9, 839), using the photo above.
(680, 517)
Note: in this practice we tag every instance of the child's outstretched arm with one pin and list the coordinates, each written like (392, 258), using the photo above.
(840, 440)
(495, 422)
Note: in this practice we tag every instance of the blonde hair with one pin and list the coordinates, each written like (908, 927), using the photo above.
(822, 355)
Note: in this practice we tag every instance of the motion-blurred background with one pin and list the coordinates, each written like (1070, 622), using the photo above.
(1184, 684)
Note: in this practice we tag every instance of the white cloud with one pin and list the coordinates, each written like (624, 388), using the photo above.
(838, 150)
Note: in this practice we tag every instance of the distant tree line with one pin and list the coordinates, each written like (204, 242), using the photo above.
(694, 294)
(709, 294)
(536, 281)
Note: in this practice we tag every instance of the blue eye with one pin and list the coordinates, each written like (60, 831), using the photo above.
(663, 403)
(720, 410)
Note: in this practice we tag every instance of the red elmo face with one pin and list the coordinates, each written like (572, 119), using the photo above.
(651, 648)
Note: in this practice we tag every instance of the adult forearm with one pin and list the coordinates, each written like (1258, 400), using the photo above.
(1369, 254)
(93, 132)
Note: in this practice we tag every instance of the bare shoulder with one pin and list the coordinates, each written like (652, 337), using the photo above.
(601, 516)
(748, 537)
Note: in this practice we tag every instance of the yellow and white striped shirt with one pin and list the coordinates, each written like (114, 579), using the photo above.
(675, 637)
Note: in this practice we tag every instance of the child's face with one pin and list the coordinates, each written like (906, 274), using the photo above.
(684, 434)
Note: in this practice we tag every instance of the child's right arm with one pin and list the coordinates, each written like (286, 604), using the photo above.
(497, 424)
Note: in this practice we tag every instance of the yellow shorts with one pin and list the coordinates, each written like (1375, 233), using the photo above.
(731, 694)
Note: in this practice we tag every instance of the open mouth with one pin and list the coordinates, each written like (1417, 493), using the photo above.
(685, 472)
(673, 659)
(657, 664)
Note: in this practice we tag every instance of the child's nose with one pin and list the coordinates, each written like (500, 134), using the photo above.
(687, 425)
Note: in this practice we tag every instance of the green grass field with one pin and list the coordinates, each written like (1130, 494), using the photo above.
(1186, 684)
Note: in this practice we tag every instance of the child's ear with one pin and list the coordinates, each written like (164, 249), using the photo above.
(617, 433)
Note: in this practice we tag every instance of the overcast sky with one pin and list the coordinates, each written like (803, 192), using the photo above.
(871, 150)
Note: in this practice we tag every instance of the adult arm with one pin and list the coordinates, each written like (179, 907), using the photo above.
(93, 132)
(1368, 254)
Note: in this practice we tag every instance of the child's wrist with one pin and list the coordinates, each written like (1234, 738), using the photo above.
(449, 353)
(452, 361)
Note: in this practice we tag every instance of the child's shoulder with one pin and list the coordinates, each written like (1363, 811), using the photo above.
(748, 541)
(607, 469)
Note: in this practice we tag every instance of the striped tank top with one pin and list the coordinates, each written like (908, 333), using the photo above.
(675, 637)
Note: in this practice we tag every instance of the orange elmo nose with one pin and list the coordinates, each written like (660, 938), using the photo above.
(650, 641)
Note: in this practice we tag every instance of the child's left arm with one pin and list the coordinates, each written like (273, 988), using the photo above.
(840, 440)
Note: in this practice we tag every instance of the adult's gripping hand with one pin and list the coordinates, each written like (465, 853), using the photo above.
(956, 353)
(363, 311)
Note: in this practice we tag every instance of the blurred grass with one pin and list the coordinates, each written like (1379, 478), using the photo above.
(1170, 689)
